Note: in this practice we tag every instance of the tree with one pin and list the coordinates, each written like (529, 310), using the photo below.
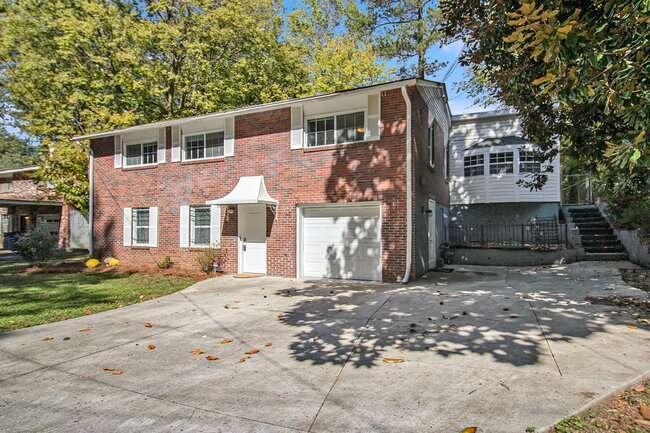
(336, 53)
(69, 67)
(576, 69)
(404, 31)
(14, 151)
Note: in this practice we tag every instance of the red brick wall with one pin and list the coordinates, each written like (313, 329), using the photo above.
(25, 188)
(356, 172)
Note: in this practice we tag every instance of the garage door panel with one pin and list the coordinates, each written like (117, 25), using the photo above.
(342, 242)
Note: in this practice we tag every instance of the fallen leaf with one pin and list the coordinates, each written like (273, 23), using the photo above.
(469, 430)
(644, 410)
(151, 346)
(632, 327)
(639, 388)
(197, 352)
(84, 329)
(645, 321)
(212, 357)
(114, 371)
(252, 351)
(141, 297)
(393, 360)
(148, 325)
(88, 312)
(226, 341)
(66, 338)
(243, 359)
(269, 344)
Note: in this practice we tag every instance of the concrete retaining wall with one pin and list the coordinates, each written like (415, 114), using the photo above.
(511, 257)
(636, 250)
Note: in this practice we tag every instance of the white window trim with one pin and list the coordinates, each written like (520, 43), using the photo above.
(335, 114)
(431, 144)
(192, 134)
(192, 226)
(515, 167)
(149, 164)
(135, 227)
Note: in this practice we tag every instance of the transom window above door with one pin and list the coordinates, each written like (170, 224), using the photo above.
(203, 145)
(141, 154)
(336, 129)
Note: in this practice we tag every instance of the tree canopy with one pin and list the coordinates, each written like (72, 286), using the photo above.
(15, 152)
(68, 67)
(576, 69)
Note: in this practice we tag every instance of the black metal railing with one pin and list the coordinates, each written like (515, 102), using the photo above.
(534, 235)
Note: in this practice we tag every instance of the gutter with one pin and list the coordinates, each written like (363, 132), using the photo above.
(91, 160)
(409, 187)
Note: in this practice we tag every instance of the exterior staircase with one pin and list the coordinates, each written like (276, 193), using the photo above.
(597, 237)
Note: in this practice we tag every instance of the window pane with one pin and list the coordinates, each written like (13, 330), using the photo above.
(140, 226)
(474, 165)
(149, 153)
(501, 163)
(200, 222)
(311, 139)
(320, 131)
(133, 154)
(350, 127)
(214, 144)
(194, 147)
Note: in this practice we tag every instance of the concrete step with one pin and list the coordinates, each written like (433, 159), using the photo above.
(595, 231)
(608, 249)
(595, 225)
(600, 243)
(595, 237)
(605, 256)
(588, 220)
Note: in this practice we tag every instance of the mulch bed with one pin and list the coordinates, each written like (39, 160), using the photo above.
(627, 412)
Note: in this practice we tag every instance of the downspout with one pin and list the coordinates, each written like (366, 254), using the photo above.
(409, 187)
(90, 201)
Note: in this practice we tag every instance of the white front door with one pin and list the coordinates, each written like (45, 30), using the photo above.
(252, 238)
(432, 235)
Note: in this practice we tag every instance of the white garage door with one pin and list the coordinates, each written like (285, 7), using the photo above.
(341, 242)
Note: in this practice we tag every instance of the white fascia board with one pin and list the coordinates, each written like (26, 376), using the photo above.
(252, 109)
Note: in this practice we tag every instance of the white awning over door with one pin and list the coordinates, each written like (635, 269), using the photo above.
(249, 190)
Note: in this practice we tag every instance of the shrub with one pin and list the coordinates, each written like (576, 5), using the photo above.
(36, 246)
(165, 263)
(209, 257)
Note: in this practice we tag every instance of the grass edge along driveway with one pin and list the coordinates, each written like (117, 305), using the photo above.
(35, 298)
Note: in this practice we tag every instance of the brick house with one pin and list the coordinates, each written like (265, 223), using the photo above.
(351, 184)
(26, 204)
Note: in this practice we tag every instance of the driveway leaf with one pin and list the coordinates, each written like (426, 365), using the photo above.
(84, 329)
(269, 344)
(252, 351)
(148, 325)
(393, 360)
(48, 339)
(226, 341)
(212, 357)
(114, 371)
(197, 352)
(469, 430)
(151, 346)
(243, 359)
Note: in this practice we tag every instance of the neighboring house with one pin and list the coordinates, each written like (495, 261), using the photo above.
(351, 184)
(489, 154)
(26, 204)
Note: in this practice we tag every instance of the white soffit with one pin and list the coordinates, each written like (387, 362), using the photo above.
(249, 190)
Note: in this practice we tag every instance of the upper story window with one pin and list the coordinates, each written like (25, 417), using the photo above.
(501, 163)
(528, 163)
(141, 154)
(337, 129)
(474, 165)
(200, 226)
(204, 145)
(140, 234)
(5, 184)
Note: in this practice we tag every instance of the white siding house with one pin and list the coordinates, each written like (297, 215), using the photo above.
(488, 156)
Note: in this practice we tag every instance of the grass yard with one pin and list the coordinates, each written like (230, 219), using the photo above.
(34, 298)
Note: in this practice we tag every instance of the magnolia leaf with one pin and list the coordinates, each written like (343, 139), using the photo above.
(393, 360)
(252, 351)
(469, 430)
(212, 357)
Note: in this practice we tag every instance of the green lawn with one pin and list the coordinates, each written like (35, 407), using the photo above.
(37, 298)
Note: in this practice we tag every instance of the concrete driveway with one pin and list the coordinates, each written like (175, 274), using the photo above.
(499, 348)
